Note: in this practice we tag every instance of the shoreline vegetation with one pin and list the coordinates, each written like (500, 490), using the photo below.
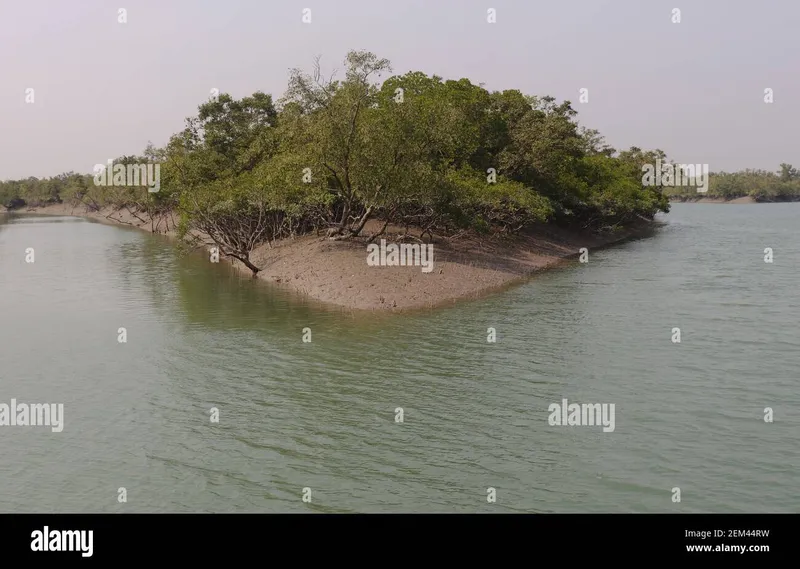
(747, 186)
(502, 184)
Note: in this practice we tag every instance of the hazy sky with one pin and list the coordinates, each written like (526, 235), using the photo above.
(695, 89)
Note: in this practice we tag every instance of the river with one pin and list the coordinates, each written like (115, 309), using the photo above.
(323, 415)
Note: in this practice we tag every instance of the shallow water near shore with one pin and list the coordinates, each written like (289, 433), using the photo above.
(321, 415)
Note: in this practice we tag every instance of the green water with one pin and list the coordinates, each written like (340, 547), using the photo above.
(321, 415)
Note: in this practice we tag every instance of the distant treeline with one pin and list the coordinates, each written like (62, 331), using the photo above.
(416, 150)
(761, 185)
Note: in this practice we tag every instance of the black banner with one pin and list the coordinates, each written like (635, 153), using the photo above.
(270, 537)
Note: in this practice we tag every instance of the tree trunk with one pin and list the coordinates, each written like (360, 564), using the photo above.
(246, 262)
(362, 222)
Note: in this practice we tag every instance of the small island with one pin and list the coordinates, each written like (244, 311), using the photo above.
(496, 185)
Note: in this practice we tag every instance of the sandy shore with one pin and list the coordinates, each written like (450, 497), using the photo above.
(337, 273)
(745, 199)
